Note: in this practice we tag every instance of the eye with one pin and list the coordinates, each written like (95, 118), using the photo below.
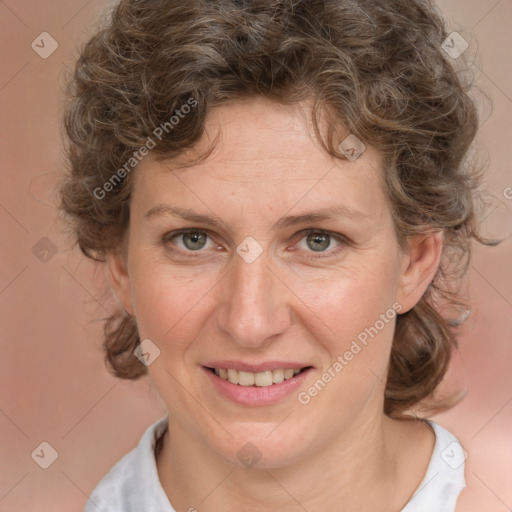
(190, 240)
(321, 241)
(310, 241)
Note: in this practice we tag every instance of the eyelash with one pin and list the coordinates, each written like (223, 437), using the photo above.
(340, 239)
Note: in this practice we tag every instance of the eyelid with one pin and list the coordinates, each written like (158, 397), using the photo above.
(337, 236)
(170, 235)
(341, 239)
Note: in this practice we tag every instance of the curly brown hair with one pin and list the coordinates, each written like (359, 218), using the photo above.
(373, 67)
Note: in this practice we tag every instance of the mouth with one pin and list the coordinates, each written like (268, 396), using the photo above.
(261, 379)
(256, 384)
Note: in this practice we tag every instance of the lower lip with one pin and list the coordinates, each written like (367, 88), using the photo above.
(255, 395)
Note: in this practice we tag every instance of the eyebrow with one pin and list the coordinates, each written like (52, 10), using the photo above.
(324, 214)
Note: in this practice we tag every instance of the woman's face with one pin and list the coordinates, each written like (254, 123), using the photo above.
(290, 263)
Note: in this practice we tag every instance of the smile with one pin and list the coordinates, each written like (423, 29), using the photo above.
(260, 379)
(266, 385)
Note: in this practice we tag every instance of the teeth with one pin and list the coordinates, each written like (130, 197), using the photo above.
(288, 373)
(260, 379)
(263, 378)
(246, 378)
(233, 376)
(277, 376)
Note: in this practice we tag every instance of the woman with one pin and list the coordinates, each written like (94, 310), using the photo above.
(280, 194)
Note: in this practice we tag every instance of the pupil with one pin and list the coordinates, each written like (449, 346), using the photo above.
(318, 241)
(194, 241)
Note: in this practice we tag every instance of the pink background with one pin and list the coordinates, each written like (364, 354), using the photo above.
(55, 387)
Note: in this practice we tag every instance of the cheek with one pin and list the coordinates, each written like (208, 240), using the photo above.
(350, 302)
(354, 322)
(353, 316)
(168, 306)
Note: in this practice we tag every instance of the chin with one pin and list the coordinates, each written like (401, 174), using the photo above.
(262, 446)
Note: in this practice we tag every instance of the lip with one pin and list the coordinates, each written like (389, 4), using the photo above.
(255, 395)
(255, 368)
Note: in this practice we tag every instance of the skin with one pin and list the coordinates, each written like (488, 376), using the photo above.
(292, 303)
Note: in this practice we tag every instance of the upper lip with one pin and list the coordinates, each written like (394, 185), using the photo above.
(256, 367)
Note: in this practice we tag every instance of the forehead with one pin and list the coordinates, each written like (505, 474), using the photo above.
(271, 152)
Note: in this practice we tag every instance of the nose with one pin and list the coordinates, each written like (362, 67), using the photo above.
(254, 304)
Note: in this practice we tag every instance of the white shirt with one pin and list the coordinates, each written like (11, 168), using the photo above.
(132, 485)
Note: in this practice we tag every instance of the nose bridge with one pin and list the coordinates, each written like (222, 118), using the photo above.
(253, 306)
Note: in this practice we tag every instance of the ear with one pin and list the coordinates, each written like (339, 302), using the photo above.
(119, 279)
(421, 260)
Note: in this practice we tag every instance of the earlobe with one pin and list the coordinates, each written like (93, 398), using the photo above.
(420, 264)
(120, 279)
